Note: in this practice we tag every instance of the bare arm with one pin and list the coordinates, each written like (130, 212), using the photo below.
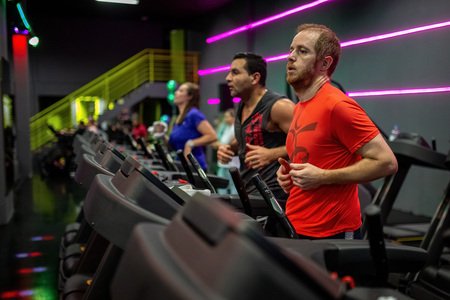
(208, 136)
(282, 113)
(377, 161)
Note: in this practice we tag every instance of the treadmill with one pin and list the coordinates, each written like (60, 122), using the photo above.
(209, 252)
(410, 150)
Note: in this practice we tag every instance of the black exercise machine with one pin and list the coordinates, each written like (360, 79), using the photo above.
(209, 252)
(113, 206)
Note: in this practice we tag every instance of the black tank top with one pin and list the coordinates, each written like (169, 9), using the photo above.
(254, 131)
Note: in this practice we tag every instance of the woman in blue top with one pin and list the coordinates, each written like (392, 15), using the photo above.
(191, 130)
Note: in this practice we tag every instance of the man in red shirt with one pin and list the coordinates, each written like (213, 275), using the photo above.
(332, 143)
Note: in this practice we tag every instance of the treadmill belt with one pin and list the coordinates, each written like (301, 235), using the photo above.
(397, 217)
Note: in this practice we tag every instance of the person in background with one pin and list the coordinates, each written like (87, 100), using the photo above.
(138, 130)
(192, 131)
(81, 128)
(124, 115)
(225, 133)
(332, 143)
(158, 131)
(262, 122)
(92, 125)
(115, 133)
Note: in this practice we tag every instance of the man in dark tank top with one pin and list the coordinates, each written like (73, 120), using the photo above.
(262, 121)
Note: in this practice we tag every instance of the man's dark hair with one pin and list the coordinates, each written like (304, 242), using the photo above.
(254, 64)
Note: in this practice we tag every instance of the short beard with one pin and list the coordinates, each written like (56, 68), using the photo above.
(303, 81)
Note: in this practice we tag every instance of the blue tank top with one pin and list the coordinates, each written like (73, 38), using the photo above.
(187, 130)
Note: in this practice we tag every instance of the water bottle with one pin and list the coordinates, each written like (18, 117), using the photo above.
(394, 133)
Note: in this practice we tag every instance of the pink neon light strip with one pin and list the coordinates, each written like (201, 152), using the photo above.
(237, 30)
(213, 101)
(213, 70)
(344, 44)
(444, 89)
(395, 34)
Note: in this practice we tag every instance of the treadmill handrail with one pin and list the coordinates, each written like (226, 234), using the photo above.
(186, 167)
(240, 187)
(143, 145)
(273, 203)
(201, 173)
(376, 242)
(165, 158)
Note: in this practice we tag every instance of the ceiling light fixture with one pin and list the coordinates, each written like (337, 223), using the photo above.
(133, 2)
(33, 39)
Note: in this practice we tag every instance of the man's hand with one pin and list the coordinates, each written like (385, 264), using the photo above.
(307, 176)
(224, 154)
(257, 156)
(283, 177)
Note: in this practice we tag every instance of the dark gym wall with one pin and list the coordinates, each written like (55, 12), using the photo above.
(417, 60)
(74, 51)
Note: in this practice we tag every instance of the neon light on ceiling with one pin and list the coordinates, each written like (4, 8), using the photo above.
(213, 101)
(345, 44)
(133, 2)
(394, 34)
(34, 40)
(237, 30)
(216, 101)
(445, 89)
(213, 70)
(23, 17)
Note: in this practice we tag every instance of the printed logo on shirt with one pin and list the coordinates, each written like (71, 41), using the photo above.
(253, 132)
(301, 153)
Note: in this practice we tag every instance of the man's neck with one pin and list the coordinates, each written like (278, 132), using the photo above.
(307, 93)
(255, 97)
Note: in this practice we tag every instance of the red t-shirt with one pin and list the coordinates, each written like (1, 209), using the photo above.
(326, 131)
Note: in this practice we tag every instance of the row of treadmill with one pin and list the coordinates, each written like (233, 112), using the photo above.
(153, 227)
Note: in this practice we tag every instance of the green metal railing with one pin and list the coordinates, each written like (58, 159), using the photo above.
(150, 65)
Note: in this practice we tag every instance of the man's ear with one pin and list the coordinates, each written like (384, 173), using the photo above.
(256, 77)
(326, 63)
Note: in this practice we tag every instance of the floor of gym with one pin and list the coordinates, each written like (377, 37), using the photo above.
(29, 243)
